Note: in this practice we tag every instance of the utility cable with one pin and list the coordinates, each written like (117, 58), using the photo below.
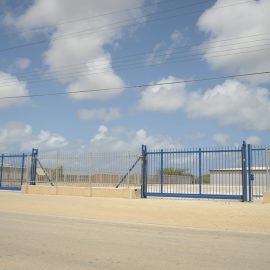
(138, 86)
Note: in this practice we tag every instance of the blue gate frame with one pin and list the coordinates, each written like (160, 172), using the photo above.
(212, 173)
(259, 170)
(12, 171)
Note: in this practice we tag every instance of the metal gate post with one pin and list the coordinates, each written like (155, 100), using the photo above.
(144, 172)
(1, 169)
(161, 171)
(33, 171)
(200, 171)
(22, 172)
(244, 171)
(250, 174)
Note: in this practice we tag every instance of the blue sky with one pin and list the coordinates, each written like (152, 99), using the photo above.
(96, 44)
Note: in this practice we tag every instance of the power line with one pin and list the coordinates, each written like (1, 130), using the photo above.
(160, 54)
(108, 28)
(102, 15)
(91, 30)
(137, 86)
(203, 46)
(138, 64)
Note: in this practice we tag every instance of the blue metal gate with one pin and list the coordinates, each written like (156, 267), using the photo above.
(217, 173)
(259, 178)
(13, 171)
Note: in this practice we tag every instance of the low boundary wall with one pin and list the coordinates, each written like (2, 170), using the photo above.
(266, 197)
(126, 193)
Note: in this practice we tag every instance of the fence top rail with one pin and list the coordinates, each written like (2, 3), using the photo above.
(11, 155)
(193, 151)
(89, 154)
(260, 148)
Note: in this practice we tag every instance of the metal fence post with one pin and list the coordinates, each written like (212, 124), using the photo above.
(144, 172)
(244, 170)
(128, 182)
(267, 165)
(250, 174)
(161, 171)
(1, 169)
(22, 172)
(200, 171)
(33, 171)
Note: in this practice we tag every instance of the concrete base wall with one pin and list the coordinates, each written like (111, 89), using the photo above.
(74, 191)
(33, 189)
(266, 197)
(127, 193)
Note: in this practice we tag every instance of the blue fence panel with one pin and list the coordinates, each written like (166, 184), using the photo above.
(200, 173)
(13, 171)
(260, 166)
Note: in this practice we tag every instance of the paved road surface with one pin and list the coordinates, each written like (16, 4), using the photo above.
(39, 242)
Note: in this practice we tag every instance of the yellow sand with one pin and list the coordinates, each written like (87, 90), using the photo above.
(212, 215)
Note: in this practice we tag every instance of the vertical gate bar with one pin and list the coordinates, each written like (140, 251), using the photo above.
(200, 171)
(244, 171)
(267, 164)
(33, 166)
(1, 169)
(22, 172)
(143, 173)
(129, 164)
(161, 171)
(249, 173)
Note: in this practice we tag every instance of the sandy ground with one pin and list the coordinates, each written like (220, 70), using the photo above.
(208, 215)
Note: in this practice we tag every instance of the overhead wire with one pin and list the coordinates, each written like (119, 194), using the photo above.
(94, 17)
(194, 47)
(198, 47)
(138, 86)
(108, 28)
(136, 64)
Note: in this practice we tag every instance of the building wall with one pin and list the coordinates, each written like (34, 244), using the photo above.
(170, 179)
(235, 178)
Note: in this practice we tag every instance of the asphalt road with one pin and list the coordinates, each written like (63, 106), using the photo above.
(39, 242)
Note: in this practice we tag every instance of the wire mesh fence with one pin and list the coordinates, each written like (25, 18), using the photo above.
(89, 169)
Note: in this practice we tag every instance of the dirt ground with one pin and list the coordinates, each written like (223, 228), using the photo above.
(52, 243)
(210, 215)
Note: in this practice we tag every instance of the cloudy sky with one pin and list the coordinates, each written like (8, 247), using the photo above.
(63, 46)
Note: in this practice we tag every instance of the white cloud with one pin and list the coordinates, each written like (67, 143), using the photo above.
(253, 140)
(242, 20)
(47, 140)
(97, 81)
(231, 103)
(17, 136)
(102, 114)
(221, 139)
(162, 52)
(11, 86)
(163, 98)
(121, 139)
(86, 47)
(22, 63)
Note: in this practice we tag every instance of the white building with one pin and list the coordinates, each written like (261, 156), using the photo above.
(233, 176)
